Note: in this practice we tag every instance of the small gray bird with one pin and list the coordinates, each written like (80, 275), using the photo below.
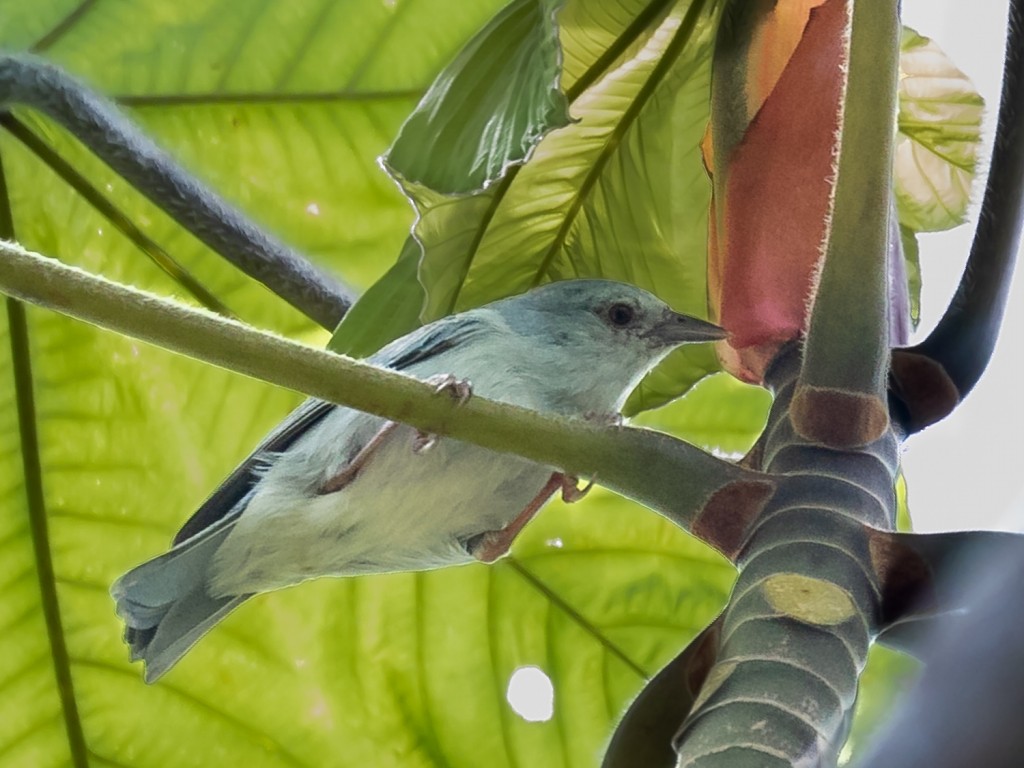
(338, 492)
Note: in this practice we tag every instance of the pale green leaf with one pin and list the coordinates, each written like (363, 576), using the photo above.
(489, 107)
(33, 24)
(595, 35)
(939, 132)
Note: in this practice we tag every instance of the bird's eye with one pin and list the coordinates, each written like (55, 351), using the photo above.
(621, 314)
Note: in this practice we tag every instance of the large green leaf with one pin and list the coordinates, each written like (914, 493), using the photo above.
(283, 109)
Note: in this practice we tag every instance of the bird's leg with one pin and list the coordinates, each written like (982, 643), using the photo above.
(489, 546)
(460, 390)
(349, 472)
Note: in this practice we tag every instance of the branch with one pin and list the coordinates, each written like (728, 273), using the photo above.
(33, 82)
(667, 474)
(933, 377)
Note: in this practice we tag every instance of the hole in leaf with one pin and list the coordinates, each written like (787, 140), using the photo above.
(531, 694)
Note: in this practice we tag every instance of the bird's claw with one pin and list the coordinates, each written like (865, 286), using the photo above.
(460, 390)
(571, 493)
(604, 419)
(423, 442)
(490, 545)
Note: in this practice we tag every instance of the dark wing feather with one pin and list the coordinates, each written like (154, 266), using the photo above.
(429, 341)
(401, 354)
(234, 489)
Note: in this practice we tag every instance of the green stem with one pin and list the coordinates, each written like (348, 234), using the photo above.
(847, 348)
(668, 475)
(847, 342)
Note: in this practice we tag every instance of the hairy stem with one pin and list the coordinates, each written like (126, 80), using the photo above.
(668, 475)
(840, 398)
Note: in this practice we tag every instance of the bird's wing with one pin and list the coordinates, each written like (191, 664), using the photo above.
(223, 501)
(431, 342)
(408, 352)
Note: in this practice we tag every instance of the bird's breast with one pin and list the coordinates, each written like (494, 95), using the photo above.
(403, 511)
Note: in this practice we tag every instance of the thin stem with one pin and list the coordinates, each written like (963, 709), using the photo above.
(664, 473)
(964, 339)
(35, 502)
(33, 82)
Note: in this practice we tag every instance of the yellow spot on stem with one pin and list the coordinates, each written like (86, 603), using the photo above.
(813, 601)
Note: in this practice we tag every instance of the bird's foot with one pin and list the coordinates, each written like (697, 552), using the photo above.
(459, 389)
(604, 418)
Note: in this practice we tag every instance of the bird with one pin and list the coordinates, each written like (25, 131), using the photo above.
(337, 492)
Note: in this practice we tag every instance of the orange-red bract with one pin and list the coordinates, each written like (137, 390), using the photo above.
(773, 187)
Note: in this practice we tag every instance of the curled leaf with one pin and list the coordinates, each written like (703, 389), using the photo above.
(489, 107)
(772, 170)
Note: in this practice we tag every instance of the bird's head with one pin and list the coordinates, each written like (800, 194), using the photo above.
(603, 330)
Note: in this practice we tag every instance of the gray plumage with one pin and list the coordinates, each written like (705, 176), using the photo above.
(572, 348)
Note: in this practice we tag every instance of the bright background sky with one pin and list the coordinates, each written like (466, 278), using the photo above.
(968, 471)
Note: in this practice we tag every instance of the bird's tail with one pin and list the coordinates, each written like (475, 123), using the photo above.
(165, 604)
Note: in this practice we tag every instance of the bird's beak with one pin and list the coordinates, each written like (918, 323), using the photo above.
(675, 328)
